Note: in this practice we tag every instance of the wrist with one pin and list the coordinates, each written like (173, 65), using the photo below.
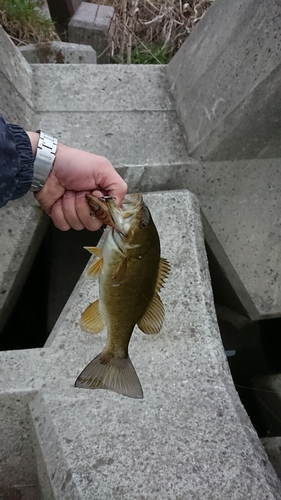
(34, 138)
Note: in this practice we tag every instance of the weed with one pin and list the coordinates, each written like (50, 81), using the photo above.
(151, 31)
(24, 23)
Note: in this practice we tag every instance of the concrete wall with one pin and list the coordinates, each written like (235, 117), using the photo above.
(226, 81)
(15, 84)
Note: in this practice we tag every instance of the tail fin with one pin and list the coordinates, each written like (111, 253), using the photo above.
(117, 375)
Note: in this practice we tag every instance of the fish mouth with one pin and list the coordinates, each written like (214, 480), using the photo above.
(124, 215)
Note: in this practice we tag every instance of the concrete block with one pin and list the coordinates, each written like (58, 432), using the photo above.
(225, 79)
(15, 83)
(23, 225)
(91, 25)
(58, 53)
(118, 112)
(241, 202)
(188, 438)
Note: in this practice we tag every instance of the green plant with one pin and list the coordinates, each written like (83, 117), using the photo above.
(24, 23)
(151, 54)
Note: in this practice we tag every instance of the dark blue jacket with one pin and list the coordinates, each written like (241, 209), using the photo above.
(16, 162)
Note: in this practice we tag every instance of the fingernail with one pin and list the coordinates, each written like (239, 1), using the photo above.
(58, 202)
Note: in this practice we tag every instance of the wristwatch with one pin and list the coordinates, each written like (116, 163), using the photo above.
(44, 160)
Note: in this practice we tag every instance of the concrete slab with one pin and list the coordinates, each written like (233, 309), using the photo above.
(189, 438)
(226, 76)
(22, 226)
(112, 87)
(126, 114)
(58, 53)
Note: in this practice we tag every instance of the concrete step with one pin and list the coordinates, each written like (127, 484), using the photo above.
(124, 113)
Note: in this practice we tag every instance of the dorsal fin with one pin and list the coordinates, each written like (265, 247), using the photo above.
(152, 320)
(163, 271)
(91, 319)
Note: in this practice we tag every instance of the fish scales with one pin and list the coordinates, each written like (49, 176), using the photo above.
(131, 273)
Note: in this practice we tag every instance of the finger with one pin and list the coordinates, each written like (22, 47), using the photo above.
(83, 211)
(69, 210)
(58, 217)
(117, 188)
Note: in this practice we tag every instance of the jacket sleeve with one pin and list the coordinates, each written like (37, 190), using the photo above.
(16, 162)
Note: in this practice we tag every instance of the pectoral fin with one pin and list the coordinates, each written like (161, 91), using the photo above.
(91, 319)
(95, 268)
(153, 318)
(164, 269)
(119, 273)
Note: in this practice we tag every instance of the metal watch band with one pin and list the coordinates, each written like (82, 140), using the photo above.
(44, 160)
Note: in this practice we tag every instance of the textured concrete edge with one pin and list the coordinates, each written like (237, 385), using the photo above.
(26, 239)
(228, 269)
(52, 467)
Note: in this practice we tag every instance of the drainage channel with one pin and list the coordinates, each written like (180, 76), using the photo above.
(56, 269)
(253, 350)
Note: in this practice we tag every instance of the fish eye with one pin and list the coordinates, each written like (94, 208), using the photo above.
(143, 224)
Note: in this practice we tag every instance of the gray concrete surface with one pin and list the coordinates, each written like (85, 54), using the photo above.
(226, 81)
(59, 53)
(15, 84)
(22, 226)
(123, 113)
(188, 438)
(272, 446)
(91, 25)
(241, 203)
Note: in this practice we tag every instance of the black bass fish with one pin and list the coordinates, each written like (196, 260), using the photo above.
(131, 273)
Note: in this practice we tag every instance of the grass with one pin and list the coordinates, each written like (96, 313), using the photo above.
(24, 23)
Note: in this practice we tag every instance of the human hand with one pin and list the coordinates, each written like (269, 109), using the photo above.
(74, 174)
